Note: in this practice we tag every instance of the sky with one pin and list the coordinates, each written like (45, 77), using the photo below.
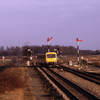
(31, 22)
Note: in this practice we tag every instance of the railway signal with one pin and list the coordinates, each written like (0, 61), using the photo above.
(48, 42)
(29, 53)
(49, 38)
(78, 52)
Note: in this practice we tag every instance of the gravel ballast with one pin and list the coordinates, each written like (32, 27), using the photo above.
(90, 86)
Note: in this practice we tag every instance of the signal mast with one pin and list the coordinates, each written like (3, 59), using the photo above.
(48, 43)
(78, 52)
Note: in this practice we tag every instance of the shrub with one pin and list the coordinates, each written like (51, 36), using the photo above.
(11, 79)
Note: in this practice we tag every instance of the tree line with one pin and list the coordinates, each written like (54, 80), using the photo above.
(64, 50)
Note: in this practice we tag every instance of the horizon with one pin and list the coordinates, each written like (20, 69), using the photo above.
(45, 45)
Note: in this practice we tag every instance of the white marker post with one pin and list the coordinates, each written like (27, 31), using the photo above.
(48, 43)
(78, 52)
(3, 59)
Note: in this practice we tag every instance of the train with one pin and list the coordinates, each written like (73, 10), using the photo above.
(47, 59)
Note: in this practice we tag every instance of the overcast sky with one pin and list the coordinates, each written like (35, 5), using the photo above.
(33, 21)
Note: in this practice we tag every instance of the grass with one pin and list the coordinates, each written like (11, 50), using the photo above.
(11, 79)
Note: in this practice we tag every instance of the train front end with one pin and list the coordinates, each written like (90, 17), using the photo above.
(51, 58)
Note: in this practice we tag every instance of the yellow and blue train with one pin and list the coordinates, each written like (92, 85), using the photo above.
(49, 58)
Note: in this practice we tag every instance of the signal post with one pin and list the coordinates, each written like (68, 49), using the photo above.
(78, 52)
(48, 43)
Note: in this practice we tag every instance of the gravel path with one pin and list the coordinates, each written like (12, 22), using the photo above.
(36, 87)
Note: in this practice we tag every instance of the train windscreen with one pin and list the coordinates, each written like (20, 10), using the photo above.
(51, 56)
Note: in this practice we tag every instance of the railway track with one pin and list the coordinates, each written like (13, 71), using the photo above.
(87, 76)
(95, 74)
(65, 87)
